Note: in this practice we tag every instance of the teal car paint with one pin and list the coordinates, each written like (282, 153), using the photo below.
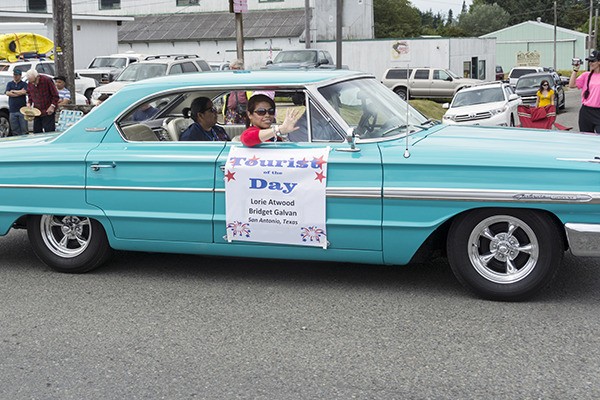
(503, 204)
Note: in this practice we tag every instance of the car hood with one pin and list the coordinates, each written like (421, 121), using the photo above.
(96, 71)
(476, 108)
(291, 65)
(111, 88)
(507, 147)
(469, 81)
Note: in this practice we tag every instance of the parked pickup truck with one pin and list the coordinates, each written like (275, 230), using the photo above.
(429, 83)
(105, 69)
(299, 59)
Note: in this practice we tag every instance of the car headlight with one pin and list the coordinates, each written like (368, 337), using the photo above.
(500, 110)
(449, 117)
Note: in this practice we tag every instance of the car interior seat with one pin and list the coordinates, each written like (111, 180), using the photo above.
(176, 126)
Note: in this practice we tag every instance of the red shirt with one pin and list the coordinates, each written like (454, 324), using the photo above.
(42, 95)
(250, 137)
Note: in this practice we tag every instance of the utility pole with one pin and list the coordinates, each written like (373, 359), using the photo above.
(238, 7)
(63, 43)
(555, 22)
(307, 24)
(338, 34)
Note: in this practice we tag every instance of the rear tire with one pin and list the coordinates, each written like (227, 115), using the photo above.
(4, 124)
(401, 92)
(68, 243)
(504, 254)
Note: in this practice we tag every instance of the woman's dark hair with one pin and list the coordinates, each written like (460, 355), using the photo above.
(542, 85)
(199, 105)
(587, 86)
(254, 100)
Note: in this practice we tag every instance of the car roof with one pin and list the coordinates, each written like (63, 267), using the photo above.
(169, 58)
(534, 74)
(249, 78)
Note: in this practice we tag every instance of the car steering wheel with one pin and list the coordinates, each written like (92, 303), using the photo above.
(367, 122)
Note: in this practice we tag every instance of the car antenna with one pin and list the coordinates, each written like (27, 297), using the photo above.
(406, 152)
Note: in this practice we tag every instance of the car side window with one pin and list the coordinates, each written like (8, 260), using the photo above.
(25, 67)
(422, 74)
(176, 69)
(441, 75)
(188, 67)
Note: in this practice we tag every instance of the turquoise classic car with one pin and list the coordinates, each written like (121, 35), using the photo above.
(502, 204)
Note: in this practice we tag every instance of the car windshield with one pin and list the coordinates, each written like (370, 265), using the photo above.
(371, 108)
(517, 73)
(108, 62)
(480, 96)
(295, 57)
(532, 82)
(138, 71)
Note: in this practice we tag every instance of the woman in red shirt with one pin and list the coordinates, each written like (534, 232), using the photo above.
(260, 122)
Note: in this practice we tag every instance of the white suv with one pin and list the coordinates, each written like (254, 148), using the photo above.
(83, 85)
(151, 67)
(493, 103)
(105, 69)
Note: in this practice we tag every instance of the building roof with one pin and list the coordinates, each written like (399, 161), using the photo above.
(533, 24)
(212, 26)
(16, 17)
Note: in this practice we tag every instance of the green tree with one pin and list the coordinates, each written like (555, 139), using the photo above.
(482, 19)
(396, 18)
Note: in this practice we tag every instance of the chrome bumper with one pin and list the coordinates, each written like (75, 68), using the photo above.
(584, 239)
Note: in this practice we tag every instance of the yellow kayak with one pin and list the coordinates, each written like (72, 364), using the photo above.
(14, 44)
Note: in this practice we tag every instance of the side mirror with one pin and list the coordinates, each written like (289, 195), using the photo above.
(449, 79)
(323, 61)
(269, 62)
(513, 96)
(446, 105)
(351, 140)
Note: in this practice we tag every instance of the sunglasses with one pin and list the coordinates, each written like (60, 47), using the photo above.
(213, 109)
(545, 84)
(263, 111)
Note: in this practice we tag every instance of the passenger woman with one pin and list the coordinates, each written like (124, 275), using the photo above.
(204, 128)
(260, 124)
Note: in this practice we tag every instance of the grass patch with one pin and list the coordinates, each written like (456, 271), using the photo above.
(429, 108)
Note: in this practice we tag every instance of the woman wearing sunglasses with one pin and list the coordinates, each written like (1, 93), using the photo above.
(260, 122)
(204, 127)
(545, 96)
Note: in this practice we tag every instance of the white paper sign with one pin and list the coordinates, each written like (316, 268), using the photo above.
(276, 195)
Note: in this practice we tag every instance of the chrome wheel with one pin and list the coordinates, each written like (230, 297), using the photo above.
(66, 236)
(503, 249)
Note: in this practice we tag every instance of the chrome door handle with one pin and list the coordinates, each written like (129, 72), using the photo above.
(222, 167)
(96, 167)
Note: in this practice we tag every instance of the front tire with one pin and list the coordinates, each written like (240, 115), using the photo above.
(504, 254)
(68, 243)
(402, 93)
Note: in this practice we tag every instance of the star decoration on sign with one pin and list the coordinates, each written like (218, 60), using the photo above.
(229, 176)
(319, 161)
(254, 158)
(320, 176)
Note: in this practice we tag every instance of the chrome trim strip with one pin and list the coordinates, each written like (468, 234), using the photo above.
(491, 195)
(344, 192)
(590, 160)
(584, 239)
(21, 186)
(150, 189)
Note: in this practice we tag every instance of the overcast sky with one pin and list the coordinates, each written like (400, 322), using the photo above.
(440, 5)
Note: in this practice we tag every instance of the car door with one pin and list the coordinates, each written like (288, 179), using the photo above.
(353, 202)
(420, 85)
(442, 84)
(151, 189)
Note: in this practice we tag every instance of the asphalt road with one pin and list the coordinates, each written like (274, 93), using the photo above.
(568, 116)
(158, 326)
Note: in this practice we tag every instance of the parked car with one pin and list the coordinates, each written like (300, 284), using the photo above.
(302, 58)
(83, 85)
(430, 83)
(6, 77)
(105, 69)
(499, 73)
(219, 65)
(516, 72)
(492, 104)
(528, 85)
(151, 67)
(397, 186)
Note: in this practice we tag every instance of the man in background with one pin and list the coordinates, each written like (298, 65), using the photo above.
(43, 95)
(16, 90)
